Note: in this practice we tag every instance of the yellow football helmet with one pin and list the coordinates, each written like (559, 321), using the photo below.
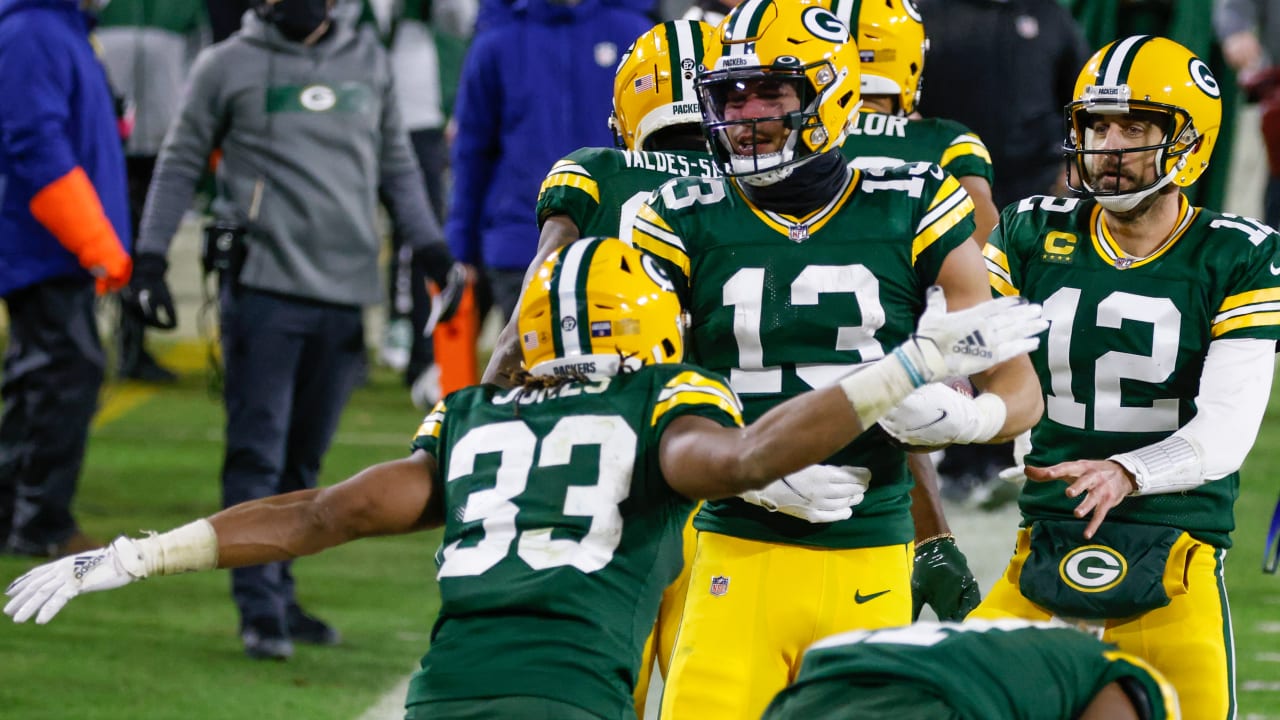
(1160, 79)
(653, 87)
(799, 42)
(596, 304)
(891, 45)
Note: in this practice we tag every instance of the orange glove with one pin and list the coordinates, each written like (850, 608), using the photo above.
(69, 207)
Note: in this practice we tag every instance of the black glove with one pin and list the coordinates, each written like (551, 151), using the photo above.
(942, 579)
(148, 294)
(445, 305)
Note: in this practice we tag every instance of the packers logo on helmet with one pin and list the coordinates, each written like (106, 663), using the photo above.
(799, 43)
(891, 45)
(1151, 78)
(595, 304)
(653, 88)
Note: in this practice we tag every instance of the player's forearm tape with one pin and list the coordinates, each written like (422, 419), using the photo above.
(1171, 465)
(192, 547)
(989, 418)
(875, 390)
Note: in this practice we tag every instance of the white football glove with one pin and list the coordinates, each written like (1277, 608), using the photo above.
(936, 415)
(49, 587)
(969, 341)
(817, 494)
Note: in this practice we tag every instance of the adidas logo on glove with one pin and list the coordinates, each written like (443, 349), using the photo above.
(974, 345)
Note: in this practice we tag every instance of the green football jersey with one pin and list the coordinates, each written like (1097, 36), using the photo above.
(781, 305)
(1120, 366)
(601, 189)
(880, 140)
(985, 670)
(560, 534)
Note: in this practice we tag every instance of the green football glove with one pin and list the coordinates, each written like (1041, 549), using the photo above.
(942, 579)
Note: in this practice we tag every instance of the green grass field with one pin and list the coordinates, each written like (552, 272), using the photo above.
(168, 648)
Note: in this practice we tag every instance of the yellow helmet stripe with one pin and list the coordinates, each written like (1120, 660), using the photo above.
(1114, 68)
(744, 25)
(848, 11)
(685, 43)
(568, 301)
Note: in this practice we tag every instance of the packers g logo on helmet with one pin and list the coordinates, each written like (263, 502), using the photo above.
(1093, 568)
(798, 42)
(595, 304)
(1157, 77)
(891, 45)
(653, 87)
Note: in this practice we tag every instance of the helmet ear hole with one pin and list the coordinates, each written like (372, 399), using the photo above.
(668, 347)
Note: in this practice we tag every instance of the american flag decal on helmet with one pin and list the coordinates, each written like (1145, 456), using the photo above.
(644, 83)
(719, 585)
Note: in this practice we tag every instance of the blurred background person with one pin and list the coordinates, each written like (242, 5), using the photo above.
(1005, 70)
(1249, 32)
(426, 40)
(147, 47)
(534, 87)
(301, 103)
(64, 220)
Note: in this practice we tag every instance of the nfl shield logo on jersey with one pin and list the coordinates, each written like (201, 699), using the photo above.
(719, 585)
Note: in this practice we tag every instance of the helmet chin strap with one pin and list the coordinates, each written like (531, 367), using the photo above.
(769, 174)
(1128, 201)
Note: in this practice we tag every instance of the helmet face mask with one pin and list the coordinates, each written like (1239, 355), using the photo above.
(653, 87)
(723, 97)
(1155, 83)
(768, 44)
(596, 306)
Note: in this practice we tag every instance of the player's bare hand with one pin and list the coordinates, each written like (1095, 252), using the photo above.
(1103, 483)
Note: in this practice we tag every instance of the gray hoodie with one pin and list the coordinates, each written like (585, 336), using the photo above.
(307, 136)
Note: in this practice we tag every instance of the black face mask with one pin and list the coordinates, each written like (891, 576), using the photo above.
(297, 19)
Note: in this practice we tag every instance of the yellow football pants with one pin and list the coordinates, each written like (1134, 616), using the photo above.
(664, 631)
(753, 607)
(1189, 640)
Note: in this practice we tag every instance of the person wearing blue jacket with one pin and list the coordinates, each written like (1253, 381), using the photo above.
(534, 88)
(64, 235)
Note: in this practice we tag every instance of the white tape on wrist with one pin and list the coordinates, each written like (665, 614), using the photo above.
(875, 390)
(1169, 466)
(991, 415)
(190, 548)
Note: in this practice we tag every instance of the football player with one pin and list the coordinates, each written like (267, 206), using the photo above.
(1155, 373)
(597, 191)
(892, 45)
(976, 670)
(797, 269)
(559, 497)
